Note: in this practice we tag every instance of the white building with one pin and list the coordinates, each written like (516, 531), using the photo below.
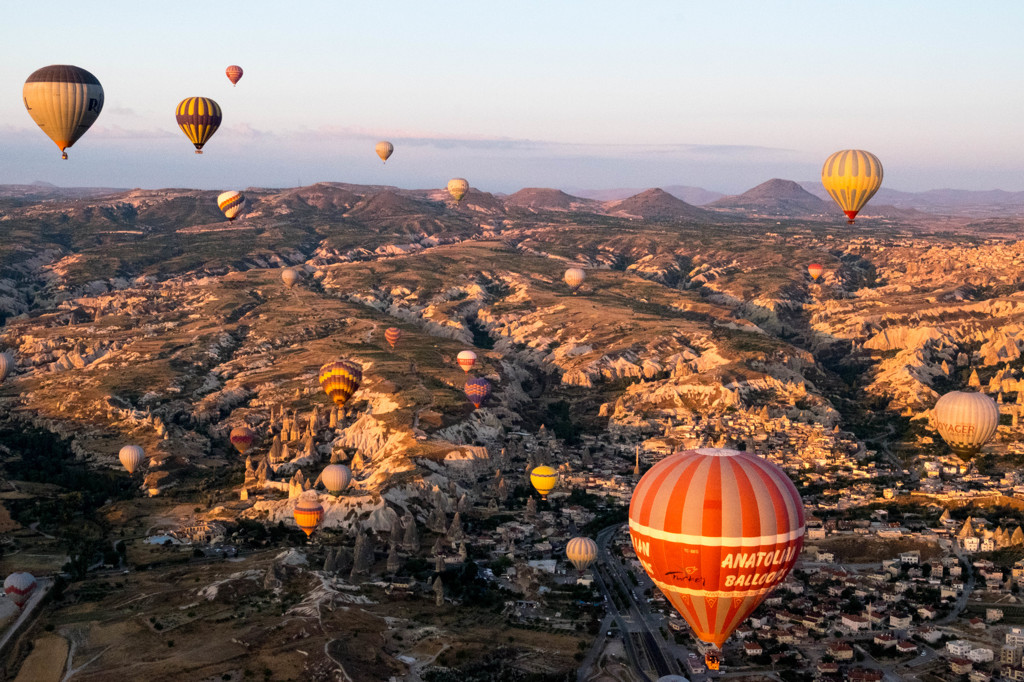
(981, 655)
(959, 647)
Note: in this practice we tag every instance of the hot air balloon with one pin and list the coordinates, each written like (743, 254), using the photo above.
(815, 270)
(544, 480)
(19, 587)
(851, 177)
(132, 457)
(466, 360)
(384, 150)
(231, 204)
(64, 101)
(340, 379)
(582, 552)
(477, 390)
(574, 278)
(6, 363)
(965, 421)
(457, 187)
(242, 438)
(308, 513)
(234, 74)
(716, 530)
(198, 118)
(392, 335)
(336, 478)
(289, 276)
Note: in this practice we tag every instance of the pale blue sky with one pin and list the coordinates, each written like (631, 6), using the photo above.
(588, 94)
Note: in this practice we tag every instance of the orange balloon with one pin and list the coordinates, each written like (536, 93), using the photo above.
(815, 270)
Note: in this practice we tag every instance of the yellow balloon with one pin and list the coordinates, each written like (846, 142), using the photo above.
(851, 177)
(64, 101)
(458, 187)
(384, 150)
(544, 480)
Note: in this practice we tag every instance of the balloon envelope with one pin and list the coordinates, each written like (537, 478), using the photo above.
(234, 74)
(340, 379)
(966, 421)
(384, 150)
(64, 101)
(457, 188)
(466, 360)
(289, 276)
(815, 270)
(336, 478)
(582, 552)
(132, 457)
(308, 514)
(477, 390)
(574, 278)
(198, 118)
(231, 204)
(242, 438)
(19, 587)
(544, 479)
(716, 530)
(851, 177)
(6, 363)
(392, 335)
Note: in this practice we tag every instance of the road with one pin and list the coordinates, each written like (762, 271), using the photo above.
(961, 602)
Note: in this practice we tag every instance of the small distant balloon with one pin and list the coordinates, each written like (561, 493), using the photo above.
(582, 552)
(64, 101)
(308, 514)
(242, 438)
(477, 390)
(132, 457)
(466, 360)
(234, 74)
(19, 587)
(574, 278)
(289, 276)
(384, 150)
(815, 270)
(851, 177)
(198, 118)
(340, 379)
(544, 479)
(392, 335)
(231, 204)
(336, 478)
(457, 188)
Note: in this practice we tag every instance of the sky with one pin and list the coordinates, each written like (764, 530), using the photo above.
(720, 94)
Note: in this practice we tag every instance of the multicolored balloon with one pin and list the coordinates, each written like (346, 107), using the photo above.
(716, 530)
(340, 379)
(198, 118)
(574, 278)
(384, 150)
(64, 101)
(815, 270)
(231, 204)
(582, 552)
(544, 479)
(851, 177)
(336, 478)
(966, 421)
(19, 587)
(242, 437)
(234, 73)
(132, 457)
(466, 360)
(477, 390)
(289, 276)
(392, 335)
(457, 188)
(308, 513)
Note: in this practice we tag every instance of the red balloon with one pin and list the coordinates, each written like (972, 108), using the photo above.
(392, 335)
(716, 530)
(234, 74)
(815, 270)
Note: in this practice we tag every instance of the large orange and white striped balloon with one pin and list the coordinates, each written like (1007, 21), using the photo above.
(966, 421)
(716, 530)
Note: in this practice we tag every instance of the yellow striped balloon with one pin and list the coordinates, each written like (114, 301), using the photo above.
(457, 187)
(198, 118)
(308, 514)
(64, 101)
(544, 480)
(582, 552)
(340, 379)
(231, 204)
(851, 177)
(384, 150)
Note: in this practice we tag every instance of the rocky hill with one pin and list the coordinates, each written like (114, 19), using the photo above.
(775, 198)
(656, 204)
